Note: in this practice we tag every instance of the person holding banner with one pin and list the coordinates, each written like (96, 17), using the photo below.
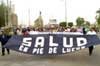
(91, 32)
(4, 39)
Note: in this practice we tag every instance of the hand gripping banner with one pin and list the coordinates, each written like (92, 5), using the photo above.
(51, 43)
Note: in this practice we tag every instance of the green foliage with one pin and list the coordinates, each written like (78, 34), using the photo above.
(70, 24)
(3, 10)
(86, 24)
(79, 21)
(7, 30)
(98, 18)
(98, 21)
(63, 24)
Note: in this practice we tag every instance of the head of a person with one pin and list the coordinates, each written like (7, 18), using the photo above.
(92, 29)
(24, 30)
(3, 32)
(17, 29)
(73, 30)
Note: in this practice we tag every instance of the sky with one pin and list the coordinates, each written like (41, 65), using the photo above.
(55, 9)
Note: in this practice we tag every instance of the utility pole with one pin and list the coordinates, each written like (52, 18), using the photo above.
(65, 10)
(9, 13)
(29, 16)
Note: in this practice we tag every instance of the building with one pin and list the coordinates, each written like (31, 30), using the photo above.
(14, 19)
(38, 23)
(12, 16)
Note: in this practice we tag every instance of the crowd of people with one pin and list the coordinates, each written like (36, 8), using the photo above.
(79, 30)
(29, 31)
(83, 31)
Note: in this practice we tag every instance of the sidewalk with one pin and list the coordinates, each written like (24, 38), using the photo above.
(78, 58)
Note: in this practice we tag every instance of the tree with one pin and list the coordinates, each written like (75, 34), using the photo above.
(70, 24)
(63, 24)
(98, 18)
(98, 21)
(80, 21)
(3, 14)
(87, 24)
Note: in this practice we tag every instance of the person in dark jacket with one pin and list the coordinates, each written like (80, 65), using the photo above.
(84, 31)
(4, 39)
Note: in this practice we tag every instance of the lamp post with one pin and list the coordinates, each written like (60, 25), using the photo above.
(65, 10)
(29, 15)
(9, 4)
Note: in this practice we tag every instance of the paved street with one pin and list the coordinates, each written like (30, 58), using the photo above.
(79, 58)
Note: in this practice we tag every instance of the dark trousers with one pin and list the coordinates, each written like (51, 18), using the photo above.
(90, 50)
(3, 50)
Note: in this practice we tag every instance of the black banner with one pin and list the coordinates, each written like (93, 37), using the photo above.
(51, 44)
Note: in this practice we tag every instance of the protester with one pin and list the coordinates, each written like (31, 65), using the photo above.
(79, 29)
(73, 30)
(67, 29)
(91, 32)
(33, 31)
(25, 32)
(18, 32)
(84, 31)
(4, 39)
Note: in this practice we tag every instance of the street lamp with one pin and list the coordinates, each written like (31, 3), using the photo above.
(29, 15)
(65, 10)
